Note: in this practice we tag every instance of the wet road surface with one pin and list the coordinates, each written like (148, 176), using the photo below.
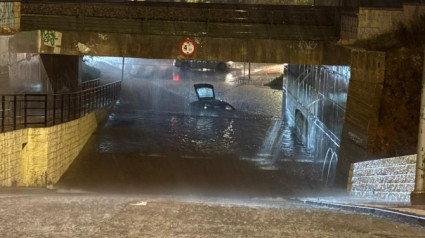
(89, 215)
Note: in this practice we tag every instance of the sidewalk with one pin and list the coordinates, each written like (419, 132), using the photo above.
(393, 210)
(50, 213)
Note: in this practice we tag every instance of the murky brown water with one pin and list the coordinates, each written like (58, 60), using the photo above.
(151, 142)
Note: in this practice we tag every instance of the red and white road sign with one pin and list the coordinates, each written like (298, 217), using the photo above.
(187, 47)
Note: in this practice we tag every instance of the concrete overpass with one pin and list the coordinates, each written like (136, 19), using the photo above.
(243, 33)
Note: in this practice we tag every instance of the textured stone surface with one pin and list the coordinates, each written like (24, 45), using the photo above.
(10, 153)
(374, 21)
(388, 179)
(37, 157)
(371, 22)
(65, 143)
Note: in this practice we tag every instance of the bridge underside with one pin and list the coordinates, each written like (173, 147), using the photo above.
(167, 47)
(244, 33)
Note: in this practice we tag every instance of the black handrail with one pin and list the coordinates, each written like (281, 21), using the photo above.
(42, 110)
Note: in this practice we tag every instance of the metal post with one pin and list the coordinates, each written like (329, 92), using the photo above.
(14, 112)
(61, 108)
(2, 113)
(69, 107)
(46, 111)
(74, 108)
(80, 95)
(110, 91)
(54, 109)
(249, 71)
(102, 97)
(122, 70)
(417, 197)
(96, 94)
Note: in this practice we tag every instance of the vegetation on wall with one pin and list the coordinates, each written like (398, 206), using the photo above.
(397, 132)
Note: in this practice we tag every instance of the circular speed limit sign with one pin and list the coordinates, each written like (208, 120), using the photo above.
(187, 47)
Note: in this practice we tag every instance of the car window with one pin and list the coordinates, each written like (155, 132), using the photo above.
(205, 92)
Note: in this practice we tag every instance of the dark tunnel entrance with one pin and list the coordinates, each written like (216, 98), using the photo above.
(154, 142)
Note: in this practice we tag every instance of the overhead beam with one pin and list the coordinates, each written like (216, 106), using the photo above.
(167, 47)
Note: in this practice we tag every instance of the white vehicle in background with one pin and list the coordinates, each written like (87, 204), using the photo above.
(201, 65)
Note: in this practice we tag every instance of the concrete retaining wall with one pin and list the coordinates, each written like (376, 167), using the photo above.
(390, 179)
(38, 157)
(11, 144)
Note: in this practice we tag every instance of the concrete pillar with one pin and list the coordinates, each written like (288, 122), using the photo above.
(362, 110)
(417, 197)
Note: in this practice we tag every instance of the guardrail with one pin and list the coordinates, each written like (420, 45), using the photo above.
(42, 110)
(90, 84)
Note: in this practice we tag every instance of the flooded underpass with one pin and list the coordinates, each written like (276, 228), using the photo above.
(153, 142)
(157, 169)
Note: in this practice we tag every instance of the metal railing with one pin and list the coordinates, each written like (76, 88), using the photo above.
(42, 110)
(90, 84)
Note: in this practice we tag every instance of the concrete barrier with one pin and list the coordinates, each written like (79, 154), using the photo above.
(38, 157)
(391, 179)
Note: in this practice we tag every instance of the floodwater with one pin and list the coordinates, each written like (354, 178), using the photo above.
(151, 142)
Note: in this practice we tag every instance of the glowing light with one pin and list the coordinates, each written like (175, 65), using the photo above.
(229, 79)
(176, 78)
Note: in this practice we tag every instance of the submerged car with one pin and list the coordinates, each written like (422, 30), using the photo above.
(207, 104)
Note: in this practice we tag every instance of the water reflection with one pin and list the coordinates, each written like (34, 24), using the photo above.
(256, 130)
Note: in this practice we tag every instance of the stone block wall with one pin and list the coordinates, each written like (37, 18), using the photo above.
(391, 179)
(375, 21)
(38, 157)
(372, 22)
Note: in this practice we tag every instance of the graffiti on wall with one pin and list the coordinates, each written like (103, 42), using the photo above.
(52, 39)
(49, 38)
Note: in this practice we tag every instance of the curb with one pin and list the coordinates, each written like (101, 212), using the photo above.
(380, 212)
